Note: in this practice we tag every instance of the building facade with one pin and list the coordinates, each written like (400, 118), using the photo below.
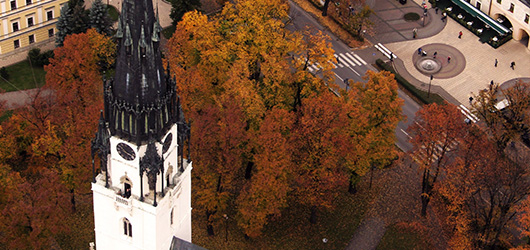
(516, 12)
(142, 194)
(27, 23)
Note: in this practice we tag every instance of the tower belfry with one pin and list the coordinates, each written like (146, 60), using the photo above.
(142, 193)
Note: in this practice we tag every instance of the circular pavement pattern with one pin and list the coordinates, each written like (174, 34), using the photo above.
(440, 67)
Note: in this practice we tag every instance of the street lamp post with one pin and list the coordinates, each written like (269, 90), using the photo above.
(429, 93)
(424, 14)
(226, 227)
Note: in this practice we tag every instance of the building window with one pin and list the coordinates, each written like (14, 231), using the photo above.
(499, 1)
(512, 6)
(49, 14)
(13, 4)
(526, 17)
(51, 33)
(479, 5)
(16, 43)
(31, 39)
(28, 2)
(15, 26)
(30, 21)
(127, 227)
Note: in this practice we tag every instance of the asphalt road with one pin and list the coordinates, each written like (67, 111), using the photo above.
(352, 66)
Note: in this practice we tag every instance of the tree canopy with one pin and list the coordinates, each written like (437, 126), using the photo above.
(267, 131)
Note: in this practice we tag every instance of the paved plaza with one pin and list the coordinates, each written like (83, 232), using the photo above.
(468, 74)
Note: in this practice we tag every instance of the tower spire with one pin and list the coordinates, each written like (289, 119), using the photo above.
(141, 95)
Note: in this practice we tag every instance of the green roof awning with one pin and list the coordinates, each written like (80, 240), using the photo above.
(482, 16)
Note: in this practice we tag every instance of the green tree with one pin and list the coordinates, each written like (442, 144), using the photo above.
(180, 7)
(99, 18)
(73, 20)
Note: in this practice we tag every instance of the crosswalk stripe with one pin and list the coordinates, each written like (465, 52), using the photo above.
(353, 58)
(360, 59)
(346, 59)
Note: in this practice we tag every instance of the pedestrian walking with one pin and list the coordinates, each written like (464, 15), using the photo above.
(448, 59)
(424, 53)
(391, 56)
(444, 16)
(460, 35)
(338, 60)
(512, 65)
(414, 32)
(436, 10)
(435, 53)
(496, 62)
(491, 85)
(470, 99)
(419, 51)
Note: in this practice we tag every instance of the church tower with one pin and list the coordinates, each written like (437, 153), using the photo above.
(142, 194)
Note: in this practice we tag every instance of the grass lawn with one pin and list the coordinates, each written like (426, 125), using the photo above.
(405, 236)
(21, 76)
(292, 230)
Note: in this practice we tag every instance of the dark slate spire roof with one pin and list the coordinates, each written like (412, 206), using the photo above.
(139, 72)
(141, 99)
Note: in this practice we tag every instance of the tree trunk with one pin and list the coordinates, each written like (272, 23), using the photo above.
(325, 8)
(352, 187)
(313, 217)
(209, 225)
(72, 200)
(248, 170)
(424, 202)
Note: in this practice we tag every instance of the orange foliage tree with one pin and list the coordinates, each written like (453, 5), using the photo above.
(242, 68)
(435, 133)
(483, 189)
(48, 146)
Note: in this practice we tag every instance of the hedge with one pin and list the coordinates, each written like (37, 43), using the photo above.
(421, 95)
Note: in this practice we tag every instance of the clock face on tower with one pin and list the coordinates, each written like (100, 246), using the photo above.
(167, 143)
(125, 151)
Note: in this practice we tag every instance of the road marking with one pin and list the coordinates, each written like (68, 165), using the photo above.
(410, 137)
(339, 77)
(353, 58)
(346, 59)
(360, 59)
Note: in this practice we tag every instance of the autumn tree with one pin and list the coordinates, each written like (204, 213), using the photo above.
(504, 125)
(318, 149)
(266, 194)
(219, 139)
(373, 125)
(243, 67)
(483, 189)
(435, 134)
(75, 79)
(35, 212)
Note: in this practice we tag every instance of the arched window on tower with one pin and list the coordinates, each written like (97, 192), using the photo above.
(127, 227)
(127, 185)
